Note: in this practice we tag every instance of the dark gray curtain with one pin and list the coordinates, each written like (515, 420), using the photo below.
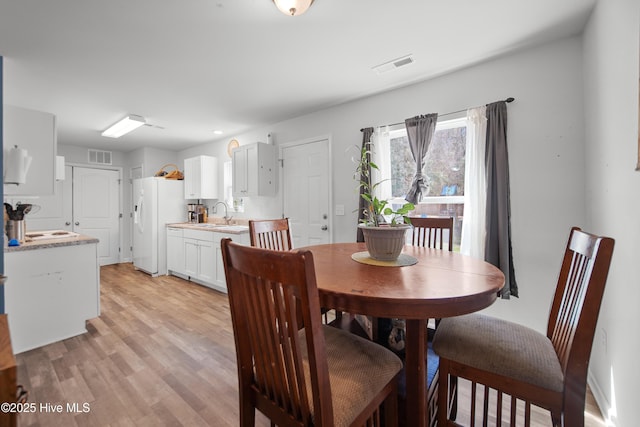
(366, 140)
(498, 244)
(420, 130)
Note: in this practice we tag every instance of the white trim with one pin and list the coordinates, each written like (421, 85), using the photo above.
(601, 400)
(319, 138)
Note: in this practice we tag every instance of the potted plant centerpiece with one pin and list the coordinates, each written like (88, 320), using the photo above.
(384, 228)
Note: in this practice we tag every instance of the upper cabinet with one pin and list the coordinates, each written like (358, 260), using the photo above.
(35, 132)
(201, 177)
(254, 170)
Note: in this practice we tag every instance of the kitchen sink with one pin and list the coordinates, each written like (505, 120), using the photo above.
(233, 227)
(221, 227)
(204, 225)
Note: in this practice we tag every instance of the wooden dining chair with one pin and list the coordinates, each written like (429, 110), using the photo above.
(549, 371)
(432, 232)
(291, 367)
(275, 234)
(270, 234)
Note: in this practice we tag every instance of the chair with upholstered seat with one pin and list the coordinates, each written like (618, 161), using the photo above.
(270, 234)
(291, 367)
(549, 371)
(432, 232)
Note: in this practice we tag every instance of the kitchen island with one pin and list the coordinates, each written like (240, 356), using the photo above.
(52, 288)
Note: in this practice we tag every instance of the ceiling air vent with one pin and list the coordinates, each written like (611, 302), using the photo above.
(99, 157)
(394, 65)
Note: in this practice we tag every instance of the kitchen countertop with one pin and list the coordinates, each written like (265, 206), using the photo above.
(214, 227)
(31, 244)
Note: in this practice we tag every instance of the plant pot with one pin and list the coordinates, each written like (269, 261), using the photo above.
(385, 243)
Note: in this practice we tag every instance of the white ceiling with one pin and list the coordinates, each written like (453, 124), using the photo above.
(193, 66)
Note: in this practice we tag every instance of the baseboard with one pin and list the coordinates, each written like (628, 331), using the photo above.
(601, 399)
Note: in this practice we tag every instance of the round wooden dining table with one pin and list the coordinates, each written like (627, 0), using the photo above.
(440, 284)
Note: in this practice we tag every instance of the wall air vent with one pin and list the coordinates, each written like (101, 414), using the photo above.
(394, 65)
(99, 157)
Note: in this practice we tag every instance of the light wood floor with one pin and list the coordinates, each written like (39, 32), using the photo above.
(160, 354)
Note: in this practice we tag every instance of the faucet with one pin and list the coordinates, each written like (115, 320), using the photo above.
(226, 216)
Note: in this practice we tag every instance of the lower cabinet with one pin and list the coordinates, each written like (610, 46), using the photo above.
(198, 259)
(50, 293)
(175, 250)
(196, 255)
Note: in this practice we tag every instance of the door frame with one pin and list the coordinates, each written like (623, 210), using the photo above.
(118, 169)
(304, 141)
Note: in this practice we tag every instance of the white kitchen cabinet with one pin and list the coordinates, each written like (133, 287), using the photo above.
(198, 256)
(254, 170)
(201, 177)
(201, 255)
(50, 293)
(34, 131)
(175, 250)
(220, 280)
(191, 257)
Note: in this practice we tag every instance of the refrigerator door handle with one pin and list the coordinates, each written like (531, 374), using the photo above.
(137, 214)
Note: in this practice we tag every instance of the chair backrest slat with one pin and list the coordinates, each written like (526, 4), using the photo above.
(275, 313)
(576, 303)
(432, 232)
(271, 234)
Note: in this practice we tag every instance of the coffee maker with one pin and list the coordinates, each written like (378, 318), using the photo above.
(196, 213)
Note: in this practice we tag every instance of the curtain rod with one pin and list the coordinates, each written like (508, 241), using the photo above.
(508, 100)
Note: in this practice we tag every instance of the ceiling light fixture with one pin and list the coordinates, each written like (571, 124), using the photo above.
(293, 7)
(124, 126)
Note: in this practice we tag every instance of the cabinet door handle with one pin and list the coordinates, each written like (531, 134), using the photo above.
(77, 223)
(324, 228)
(67, 223)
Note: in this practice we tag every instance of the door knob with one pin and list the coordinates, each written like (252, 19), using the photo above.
(324, 227)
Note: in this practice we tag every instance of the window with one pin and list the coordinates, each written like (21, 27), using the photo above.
(444, 170)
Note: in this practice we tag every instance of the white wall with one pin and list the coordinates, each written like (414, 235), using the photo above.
(545, 148)
(80, 155)
(611, 65)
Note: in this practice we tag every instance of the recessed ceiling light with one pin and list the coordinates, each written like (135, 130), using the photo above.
(218, 132)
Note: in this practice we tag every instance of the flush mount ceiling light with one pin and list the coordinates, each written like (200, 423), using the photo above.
(293, 7)
(124, 126)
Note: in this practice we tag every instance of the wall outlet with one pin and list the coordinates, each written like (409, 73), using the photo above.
(603, 339)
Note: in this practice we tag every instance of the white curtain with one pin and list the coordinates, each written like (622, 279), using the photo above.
(382, 158)
(475, 185)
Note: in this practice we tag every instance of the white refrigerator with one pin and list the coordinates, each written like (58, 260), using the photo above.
(157, 202)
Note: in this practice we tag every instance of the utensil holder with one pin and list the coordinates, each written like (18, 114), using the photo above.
(16, 229)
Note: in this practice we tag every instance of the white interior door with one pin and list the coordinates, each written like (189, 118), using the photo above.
(96, 209)
(305, 187)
